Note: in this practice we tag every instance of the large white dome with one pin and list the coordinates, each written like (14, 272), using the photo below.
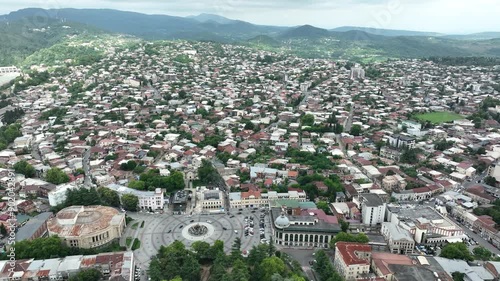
(282, 221)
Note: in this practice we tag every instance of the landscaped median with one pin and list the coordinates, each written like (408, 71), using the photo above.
(136, 245)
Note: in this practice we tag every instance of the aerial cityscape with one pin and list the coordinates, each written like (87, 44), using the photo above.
(147, 147)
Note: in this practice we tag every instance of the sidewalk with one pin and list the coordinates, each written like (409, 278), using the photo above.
(129, 232)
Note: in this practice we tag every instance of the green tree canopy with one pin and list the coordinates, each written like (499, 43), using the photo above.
(91, 274)
(456, 251)
(270, 266)
(109, 197)
(23, 167)
(130, 202)
(355, 130)
(348, 237)
(307, 120)
(482, 253)
(56, 176)
(207, 173)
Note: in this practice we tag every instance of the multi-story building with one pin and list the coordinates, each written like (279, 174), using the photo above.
(372, 209)
(357, 73)
(352, 260)
(303, 227)
(87, 226)
(401, 141)
(389, 153)
(393, 182)
(255, 199)
(113, 266)
(57, 196)
(36, 227)
(399, 240)
(148, 200)
(425, 224)
(212, 199)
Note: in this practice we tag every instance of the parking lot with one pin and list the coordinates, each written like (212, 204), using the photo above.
(163, 229)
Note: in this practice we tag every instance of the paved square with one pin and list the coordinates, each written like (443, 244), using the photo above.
(163, 229)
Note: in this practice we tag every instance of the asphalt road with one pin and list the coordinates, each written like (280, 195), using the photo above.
(86, 167)
(478, 238)
(303, 256)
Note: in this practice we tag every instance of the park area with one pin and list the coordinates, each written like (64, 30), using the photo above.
(439, 117)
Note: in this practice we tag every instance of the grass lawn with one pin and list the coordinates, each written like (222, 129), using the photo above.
(439, 117)
(136, 245)
(128, 241)
(135, 225)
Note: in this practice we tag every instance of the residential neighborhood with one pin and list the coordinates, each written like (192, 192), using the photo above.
(404, 151)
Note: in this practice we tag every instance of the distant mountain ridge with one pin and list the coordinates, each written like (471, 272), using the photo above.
(306, 40)
(386, 32)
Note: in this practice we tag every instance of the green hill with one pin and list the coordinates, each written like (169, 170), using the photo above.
(21, 38)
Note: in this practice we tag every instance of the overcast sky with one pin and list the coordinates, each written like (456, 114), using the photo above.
(446, 16)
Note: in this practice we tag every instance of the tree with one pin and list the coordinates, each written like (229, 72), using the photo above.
(23, 167)
(109, 197)
(128, 166)
(344, 225)
(458, 276)
(217, 248)
(489, 180)
(409, 156)
(307, 120)
(82, 196)
(190, 270)
(456, 251)
(130, 202)
(270, 266)
(175, 181)
(240, 271)
(202, 250)
(91, 274)
(355, 130)
(324, 267)
(56, 176)
(3, 230)
(249, 125)
(137, 184)
(41, 248)
(323, 205)
(347, 237)
(338, 129)
(482, 253)
(443, 144)
(207, 173)
(236, 249)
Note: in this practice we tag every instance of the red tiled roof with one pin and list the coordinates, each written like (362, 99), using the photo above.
(348, 252)
(250, 193)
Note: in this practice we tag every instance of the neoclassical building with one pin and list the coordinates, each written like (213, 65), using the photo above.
(303, 228)
(87, 226)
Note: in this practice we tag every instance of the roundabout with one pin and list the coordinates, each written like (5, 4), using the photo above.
(198, 231)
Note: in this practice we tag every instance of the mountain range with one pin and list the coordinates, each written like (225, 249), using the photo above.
(343, 42)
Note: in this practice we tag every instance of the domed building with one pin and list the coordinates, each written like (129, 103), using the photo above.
(87, 226)
(282, 222)
(298, 226)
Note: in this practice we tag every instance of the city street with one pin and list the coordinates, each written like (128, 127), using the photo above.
(478, 238)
